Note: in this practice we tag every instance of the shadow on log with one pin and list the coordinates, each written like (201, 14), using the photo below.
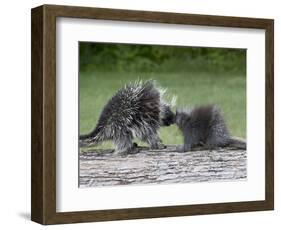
(103, 168)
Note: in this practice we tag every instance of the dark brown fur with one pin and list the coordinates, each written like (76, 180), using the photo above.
(204, 125)
(135, 111)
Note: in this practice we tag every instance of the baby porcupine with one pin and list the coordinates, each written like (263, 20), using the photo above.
(204, 125)
(135, 111)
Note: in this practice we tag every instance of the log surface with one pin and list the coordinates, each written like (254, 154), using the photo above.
(104, 168)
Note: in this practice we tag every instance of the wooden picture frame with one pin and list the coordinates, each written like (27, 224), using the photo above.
(43, 160)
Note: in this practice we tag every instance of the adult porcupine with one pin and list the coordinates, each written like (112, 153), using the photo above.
(135, 111)
(204, 125)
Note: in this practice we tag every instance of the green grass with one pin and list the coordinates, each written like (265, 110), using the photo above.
(228, 91)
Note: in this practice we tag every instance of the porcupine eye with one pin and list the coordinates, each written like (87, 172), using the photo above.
(151, 105)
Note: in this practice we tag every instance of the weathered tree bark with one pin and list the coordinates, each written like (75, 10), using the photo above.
(103, 168)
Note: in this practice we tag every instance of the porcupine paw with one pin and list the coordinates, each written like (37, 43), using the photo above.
(161, 146)
(158, 146)
(133, 150)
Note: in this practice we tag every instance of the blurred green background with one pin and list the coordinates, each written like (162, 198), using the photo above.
(196, 75)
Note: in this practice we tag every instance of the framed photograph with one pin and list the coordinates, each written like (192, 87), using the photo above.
(140, 114)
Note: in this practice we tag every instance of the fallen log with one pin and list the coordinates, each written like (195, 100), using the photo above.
(104, 168)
